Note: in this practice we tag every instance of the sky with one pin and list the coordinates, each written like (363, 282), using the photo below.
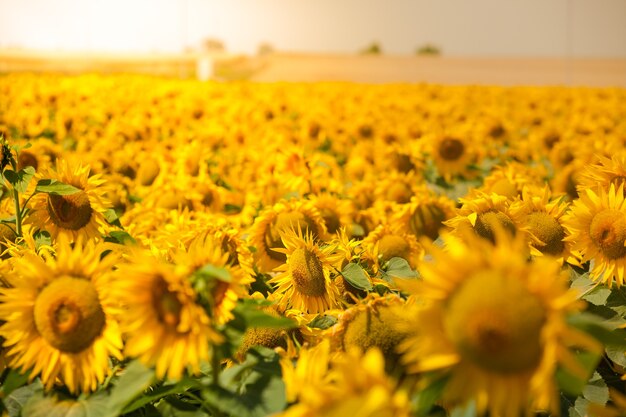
(533, 28)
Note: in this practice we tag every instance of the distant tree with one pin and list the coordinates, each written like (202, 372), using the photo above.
(265, 48)
(373, 48)
(213, 45)
(428, 49)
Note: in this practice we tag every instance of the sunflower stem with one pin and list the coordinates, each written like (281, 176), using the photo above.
(18, 213)
(215, 365)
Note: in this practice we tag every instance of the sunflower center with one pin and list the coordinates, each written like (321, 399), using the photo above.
(166, 304)
(547, 229)
(377, 327)
(307, 272)
(27, 159)
(282, 223)
(331, 219)
(451, 149)
(491, 331)
(68, 314)
(393, 246)
(427, 220)
(399, 192)
(608, 233)
(485, 223)
(70, 211)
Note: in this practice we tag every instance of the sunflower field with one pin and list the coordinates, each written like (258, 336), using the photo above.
(182, 248)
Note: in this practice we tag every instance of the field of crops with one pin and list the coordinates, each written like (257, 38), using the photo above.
(178, 248)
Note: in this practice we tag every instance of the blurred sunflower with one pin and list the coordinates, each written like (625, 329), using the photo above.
(499, 353)
(222, 294)
(543, 219)
(332, 388)
(266, 233)
(597, 228)
(424, 215)
(58, 316)
(163, 324)
(304, 281)
(452, 155)
(482, 214)
(72, 215)
(386, 242)
(604, 173)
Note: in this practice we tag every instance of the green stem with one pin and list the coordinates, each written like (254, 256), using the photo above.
(18, 213)
(26, 203)
(215, 364)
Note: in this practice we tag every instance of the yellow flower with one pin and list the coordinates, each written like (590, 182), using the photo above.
(163, 324)
(327, 385)
(58, 316)
(500, 353)
(304, 281)
(267, 231)
(73, 215)
(597, 227)
(604, 173)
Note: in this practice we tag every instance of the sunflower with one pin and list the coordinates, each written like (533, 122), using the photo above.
(207, 250)
(510, 180)
(597, 228)
(604, 173)
(304, 281)
(424, 215)
(500, 353)
(73, 215)
(58, 316)
(163, 324)
(543, 219)
(336, 212)
(482, 214)
(452, 154)
(372, 322)
(327, 385)
(386, 242)
(268, 228)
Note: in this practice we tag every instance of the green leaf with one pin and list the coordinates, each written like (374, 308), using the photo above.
(19, 397)
(209, 271)
(112, 218)
(54, 187)
(132, 383)
(253, 316)
(580, 408)
(572, 385)
(155, 394)
(40, 405)
(166, 409)
(13, 380)
(427, 397)
(400, 268)
(466, 410)
(120, 237)
(20, 179)
(617, 355)
(42, 238)
(598, 328)
(356, 276)
(596, 390)
(323, 322)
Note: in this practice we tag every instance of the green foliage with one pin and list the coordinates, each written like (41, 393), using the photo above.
(20, 179)
(55, 187)
(356, 276)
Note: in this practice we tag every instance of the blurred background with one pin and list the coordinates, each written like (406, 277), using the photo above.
(478, 41)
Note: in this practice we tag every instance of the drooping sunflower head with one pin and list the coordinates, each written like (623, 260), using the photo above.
(386, 242)
(222, 282)
(304, 282)
(604, 173)
(165, 327)
(497, 352)
(483, 214)
(597, 228)
(424, 215)
(542, 218)
(59, 316)
(71, 215)
(373, 322)
(270, 226)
